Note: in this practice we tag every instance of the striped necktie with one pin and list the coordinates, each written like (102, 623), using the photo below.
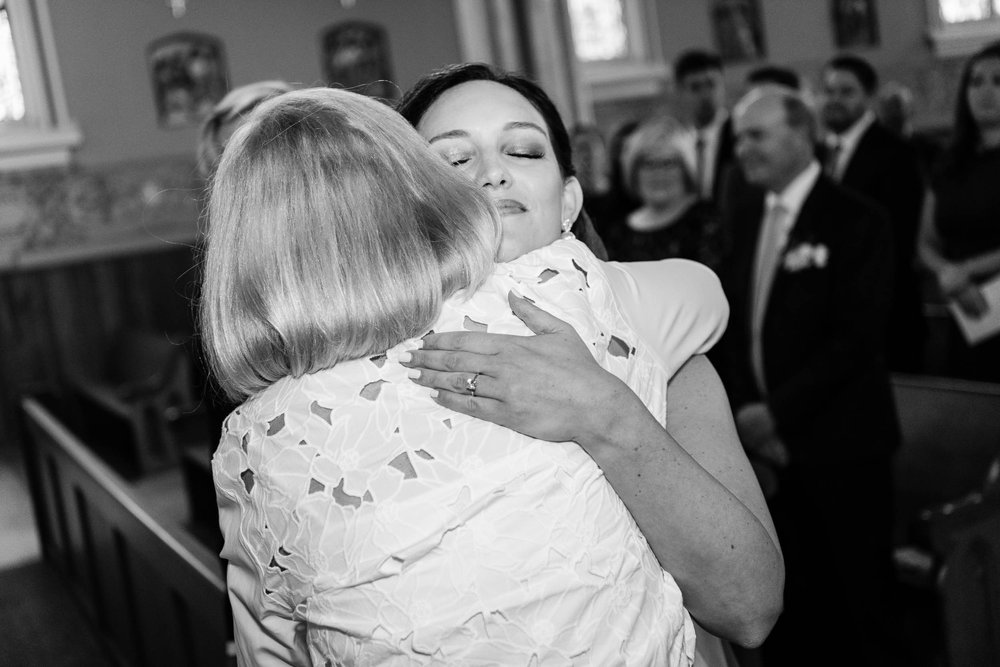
(700, 176)
(769, 246)
(832, 163)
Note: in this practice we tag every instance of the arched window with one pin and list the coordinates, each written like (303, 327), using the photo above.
(11, 95)
(618, 55)
(35, 127)
(959, 27)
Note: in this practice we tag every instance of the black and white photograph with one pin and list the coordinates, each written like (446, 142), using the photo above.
(500, 332)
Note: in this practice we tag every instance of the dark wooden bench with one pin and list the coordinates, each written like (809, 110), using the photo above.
(948, 503)
(154, 593)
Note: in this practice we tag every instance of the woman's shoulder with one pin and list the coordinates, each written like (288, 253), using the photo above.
(699, 283)
(677, 305)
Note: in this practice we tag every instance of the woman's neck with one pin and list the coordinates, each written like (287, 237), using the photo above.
(651, 217)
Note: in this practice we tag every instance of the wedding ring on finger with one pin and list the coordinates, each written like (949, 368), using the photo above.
(470, 384)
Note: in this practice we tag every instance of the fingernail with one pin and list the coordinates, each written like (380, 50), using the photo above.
(420, 344)
(404, 357)
(434, 393)
(516, 293)
(413, 374)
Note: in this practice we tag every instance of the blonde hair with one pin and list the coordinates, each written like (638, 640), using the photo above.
(334, 233)
(237, 102)
(651, 139)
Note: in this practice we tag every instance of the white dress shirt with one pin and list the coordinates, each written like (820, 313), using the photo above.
(711, 136)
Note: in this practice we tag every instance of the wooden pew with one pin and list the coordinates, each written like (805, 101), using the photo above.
(948, 489)
(155, 594)
(951, 433)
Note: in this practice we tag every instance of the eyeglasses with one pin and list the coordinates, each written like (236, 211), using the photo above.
(661, 164)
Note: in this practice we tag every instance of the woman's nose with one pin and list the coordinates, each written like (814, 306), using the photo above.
(492, 174)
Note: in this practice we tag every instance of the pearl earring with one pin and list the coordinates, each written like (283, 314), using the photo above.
(566, 224)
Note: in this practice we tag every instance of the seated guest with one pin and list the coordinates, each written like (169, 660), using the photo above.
(672, 221)
(363, 521)
(960, 237)
(866, 157)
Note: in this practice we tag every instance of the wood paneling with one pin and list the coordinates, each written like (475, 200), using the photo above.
(57, 321)
(156, 595)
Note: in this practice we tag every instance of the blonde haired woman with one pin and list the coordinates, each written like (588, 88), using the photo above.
(363, 522)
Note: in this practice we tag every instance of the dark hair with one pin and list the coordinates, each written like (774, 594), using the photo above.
(430, 87)
(782, 76)
(694, 61)
(965, 136)
(859, 67)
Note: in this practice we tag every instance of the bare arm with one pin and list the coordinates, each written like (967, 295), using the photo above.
(928, 242)
(699, 418)
(721, 551)
(956, 280)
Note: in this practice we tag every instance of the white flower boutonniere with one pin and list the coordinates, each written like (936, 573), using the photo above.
(806, 256)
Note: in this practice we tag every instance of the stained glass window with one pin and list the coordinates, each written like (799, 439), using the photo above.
(600, 32)
(11, 96)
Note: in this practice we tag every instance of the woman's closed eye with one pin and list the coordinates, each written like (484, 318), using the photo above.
(528, 154)
(456, 158)
(528, 150)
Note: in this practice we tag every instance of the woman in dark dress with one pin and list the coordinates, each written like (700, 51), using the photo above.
(960, 236)
(672, 220)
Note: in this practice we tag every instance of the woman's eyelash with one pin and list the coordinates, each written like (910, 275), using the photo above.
(526, 154)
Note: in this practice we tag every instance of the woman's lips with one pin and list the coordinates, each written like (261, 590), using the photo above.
(509, 206)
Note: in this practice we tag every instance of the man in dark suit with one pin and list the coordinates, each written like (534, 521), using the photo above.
(701, 97)
(866, 157)
(809, 282)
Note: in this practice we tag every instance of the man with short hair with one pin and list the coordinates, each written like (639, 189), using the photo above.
(701, 98)
(866, 157)
(809, 282)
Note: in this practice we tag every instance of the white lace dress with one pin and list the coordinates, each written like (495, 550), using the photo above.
(366, 525)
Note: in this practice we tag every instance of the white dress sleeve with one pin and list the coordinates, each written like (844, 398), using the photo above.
(677, 306)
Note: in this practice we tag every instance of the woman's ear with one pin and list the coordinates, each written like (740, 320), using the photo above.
(572, 199)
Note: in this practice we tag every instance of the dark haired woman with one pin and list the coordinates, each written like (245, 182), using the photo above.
(960, 234)
(505, 134)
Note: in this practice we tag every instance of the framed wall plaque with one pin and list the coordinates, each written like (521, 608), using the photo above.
(855, 23)
(356, 57)
(189, 76)
(739, 34)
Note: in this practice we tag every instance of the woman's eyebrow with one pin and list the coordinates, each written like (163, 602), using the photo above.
(450, 134)
(523, 124)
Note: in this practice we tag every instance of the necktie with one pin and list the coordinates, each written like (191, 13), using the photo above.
(699, 163)
(769, 246)
(831, 166)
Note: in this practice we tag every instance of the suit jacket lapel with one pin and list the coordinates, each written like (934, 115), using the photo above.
(804, 228)
(860, 164)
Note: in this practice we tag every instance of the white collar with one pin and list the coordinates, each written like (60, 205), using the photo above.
(794, 195)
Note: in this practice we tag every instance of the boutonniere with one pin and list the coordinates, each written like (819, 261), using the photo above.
(805, 256)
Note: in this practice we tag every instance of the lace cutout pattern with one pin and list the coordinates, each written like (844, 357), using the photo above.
(396, 532)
